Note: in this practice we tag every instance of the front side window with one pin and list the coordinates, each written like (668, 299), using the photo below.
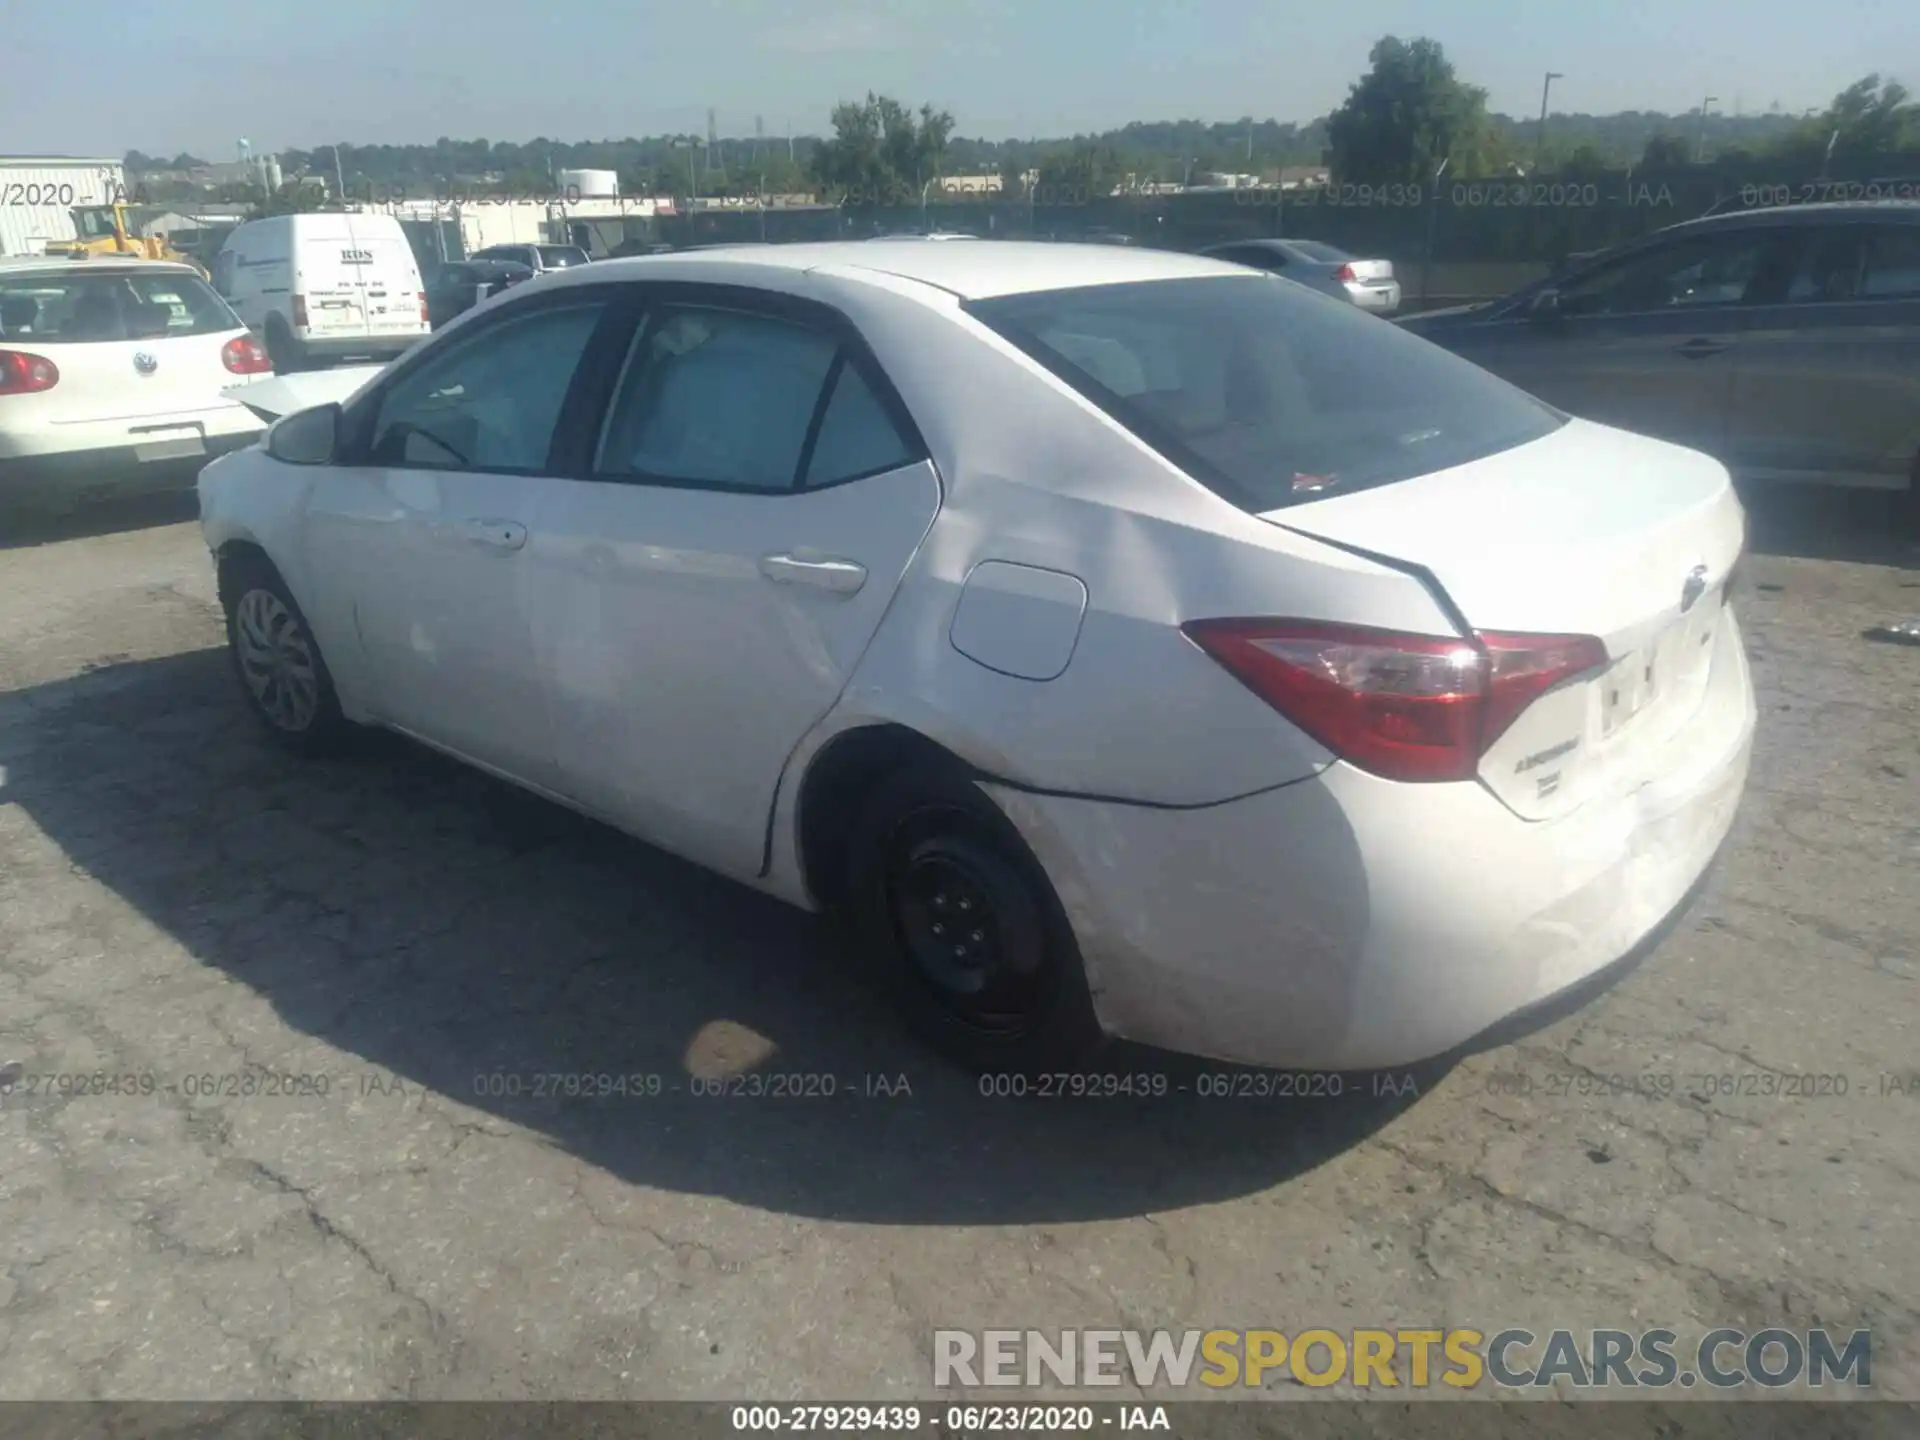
(1720, 269)
(1267, 392)
(718, 398)
(490, 401)
(99, 307)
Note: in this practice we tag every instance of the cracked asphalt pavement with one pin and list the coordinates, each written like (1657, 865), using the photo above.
(327, 1165)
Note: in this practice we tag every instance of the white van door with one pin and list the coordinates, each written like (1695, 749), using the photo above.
(389, 279)
(330, 284)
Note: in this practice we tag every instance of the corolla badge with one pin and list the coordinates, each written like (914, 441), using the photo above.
(144, 362)
(1694, 587)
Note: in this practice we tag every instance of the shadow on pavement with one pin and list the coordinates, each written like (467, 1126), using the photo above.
(20, 528)
(461, 935)
(1813, 522)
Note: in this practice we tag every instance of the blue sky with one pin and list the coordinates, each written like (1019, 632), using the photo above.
(163, 78)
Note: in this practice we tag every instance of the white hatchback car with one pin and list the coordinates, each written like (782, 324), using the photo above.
(111, 372)
(1124, 643)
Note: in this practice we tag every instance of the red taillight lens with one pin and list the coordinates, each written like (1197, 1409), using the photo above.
(300, 311)
(24, 374)
(1405, 707)
(1345, 275)
(423, 307)
(244, 355)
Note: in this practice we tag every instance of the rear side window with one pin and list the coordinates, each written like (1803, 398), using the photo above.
(99, 307)
(559, 257)
(1264, 391)
(1326, 254)
(1893, 264)
(1857, 262)
(717, 398)
(857, 435)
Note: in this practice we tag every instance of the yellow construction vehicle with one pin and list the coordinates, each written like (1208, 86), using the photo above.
(103, 230)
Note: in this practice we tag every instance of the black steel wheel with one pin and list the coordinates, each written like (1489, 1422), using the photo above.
(959, 924)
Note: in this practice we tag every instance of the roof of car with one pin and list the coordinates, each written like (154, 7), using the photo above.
(973, 272)
(1813, 213)
(63, 264)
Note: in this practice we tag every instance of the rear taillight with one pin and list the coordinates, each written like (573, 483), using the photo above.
(300, 311)
(423, 307)
(244, 355)
(1345, 275)
(24, 374)
(1405, 707)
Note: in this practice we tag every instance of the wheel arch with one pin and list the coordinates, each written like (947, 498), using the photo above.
(835, 777)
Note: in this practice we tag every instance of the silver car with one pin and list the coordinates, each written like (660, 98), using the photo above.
(1313, 263)
(1784, 341)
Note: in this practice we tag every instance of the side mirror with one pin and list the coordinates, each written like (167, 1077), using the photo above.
(1546, 305)
(306, 437)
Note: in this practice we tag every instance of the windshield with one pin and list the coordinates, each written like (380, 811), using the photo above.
(100, 306)
(1314, 250)
(1266, 392)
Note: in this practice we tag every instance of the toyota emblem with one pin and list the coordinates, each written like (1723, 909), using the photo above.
(1694, 587)
(144, 362)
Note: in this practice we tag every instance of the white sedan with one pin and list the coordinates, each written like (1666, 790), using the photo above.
(111, 373)
(1122, 642)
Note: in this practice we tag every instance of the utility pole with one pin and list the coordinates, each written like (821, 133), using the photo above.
(1700, 134)
(1540, 140)
(339, 176)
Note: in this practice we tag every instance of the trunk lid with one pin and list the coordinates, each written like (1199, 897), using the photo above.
(1371, 271)
(1588, 531)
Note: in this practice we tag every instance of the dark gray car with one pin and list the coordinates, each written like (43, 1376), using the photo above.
(1784, 341)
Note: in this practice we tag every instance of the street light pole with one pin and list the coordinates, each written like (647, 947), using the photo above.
(1540, 141)
(1700, 134)
(339, 175)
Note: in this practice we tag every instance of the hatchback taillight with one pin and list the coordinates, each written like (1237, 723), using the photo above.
(24, 374)
(1405, 707)
(300, 311)
(244, 355)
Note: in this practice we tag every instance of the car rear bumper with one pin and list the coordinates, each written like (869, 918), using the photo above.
(380, 348)
(68, 477)
(1348, 922)
(1380, 299)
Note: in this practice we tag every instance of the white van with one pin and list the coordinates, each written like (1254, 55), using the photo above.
(324, 287)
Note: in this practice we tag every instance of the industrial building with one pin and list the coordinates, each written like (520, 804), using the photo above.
(38, 194)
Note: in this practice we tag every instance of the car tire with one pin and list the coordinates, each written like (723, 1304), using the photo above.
(282, 673)
(282, 349)
(928, 854)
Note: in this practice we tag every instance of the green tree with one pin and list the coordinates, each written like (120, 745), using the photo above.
(1873, 117)
(1084, 171)
(1665, 151)
(1405, 115)
(882, 152)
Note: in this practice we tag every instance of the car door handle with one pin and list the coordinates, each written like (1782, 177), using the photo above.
(496, 534)
(1699, 348)
(843, 577)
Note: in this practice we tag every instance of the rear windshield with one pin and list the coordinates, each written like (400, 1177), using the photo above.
(558, 257)
(100, 306)
(1268, 393)
(1314, 250)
